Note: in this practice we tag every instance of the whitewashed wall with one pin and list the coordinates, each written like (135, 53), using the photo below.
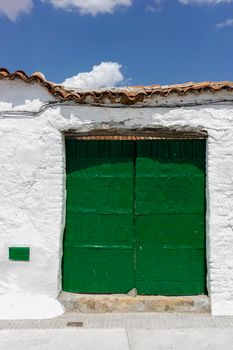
(32, 189)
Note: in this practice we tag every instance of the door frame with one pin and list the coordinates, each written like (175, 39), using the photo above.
(148, 133)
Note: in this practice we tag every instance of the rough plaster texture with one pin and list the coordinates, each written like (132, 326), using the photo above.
(32, 186)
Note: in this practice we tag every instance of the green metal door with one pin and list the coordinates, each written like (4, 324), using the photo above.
(98, 242)
(170, 217)
(135, 217)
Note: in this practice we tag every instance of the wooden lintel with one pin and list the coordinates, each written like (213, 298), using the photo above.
(138, 134)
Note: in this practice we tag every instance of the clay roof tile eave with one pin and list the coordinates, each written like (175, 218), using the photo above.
(125, 95)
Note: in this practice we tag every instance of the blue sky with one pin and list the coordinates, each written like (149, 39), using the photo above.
(150, 42)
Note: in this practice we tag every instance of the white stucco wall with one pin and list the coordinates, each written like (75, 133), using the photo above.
(32, 189)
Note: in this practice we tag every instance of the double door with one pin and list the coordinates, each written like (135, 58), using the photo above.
(135, 217)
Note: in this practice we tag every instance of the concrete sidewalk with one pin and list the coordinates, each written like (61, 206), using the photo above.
(119, 332)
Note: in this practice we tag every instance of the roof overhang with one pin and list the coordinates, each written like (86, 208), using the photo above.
(118, 96)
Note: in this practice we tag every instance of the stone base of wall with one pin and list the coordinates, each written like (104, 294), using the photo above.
(87, 303)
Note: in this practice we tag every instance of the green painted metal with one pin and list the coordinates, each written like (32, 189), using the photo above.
(170, 217)
(135, 217)
(98, 243)
(19, 253)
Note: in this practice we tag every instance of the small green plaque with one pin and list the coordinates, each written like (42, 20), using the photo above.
(19, 253)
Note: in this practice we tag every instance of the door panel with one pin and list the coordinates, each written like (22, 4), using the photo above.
(98, 242)
(163, 229)
(118, 228)
(98, 269)
(169, 217)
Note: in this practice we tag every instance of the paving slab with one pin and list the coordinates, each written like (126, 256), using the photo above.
(181, 339)
(152, 331)
(124, 320)
(64, 339)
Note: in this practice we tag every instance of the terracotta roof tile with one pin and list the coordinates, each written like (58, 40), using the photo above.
(130, 95)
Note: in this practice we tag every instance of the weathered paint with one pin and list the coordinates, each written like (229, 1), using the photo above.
(135, 217)
(170, 217)
(98, 241)
(33, 195)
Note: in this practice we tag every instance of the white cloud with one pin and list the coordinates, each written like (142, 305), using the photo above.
(14, 8)
(92, 7)
(155, 6)
(226, 23)
(106, 74)
(204, 2)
